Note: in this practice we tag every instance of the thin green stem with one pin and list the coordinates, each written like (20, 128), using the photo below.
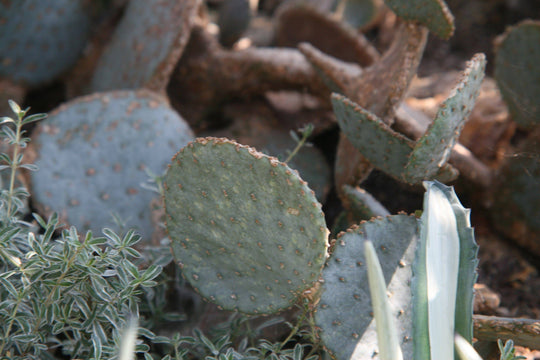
(10, 325)
(306, 132)
(294, 331)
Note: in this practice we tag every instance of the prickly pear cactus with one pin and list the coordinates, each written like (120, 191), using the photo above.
(399, 156)
(433, 149)
(40, 39)
(361, 204)
(434, 14)
(517, 71)
(360, 13)
(246, 230)
(415, 263)
(516, 199)
(303, 22)
(261, 133)
(378, 88)
(93, 154)
(146, 45)
(385, 149)
(346, 321)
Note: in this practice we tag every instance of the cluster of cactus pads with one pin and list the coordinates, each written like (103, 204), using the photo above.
(245, 228)
(399, 156)
(250, 236)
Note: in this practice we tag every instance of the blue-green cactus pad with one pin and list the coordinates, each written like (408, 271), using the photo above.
(40, 39)
(360, 13)
(434, 14)
(517, 72)
(93, 154)
(432, 150)
(346, 321)
(146, 45)
(246, 230)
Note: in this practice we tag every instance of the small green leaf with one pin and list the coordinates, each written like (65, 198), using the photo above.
(34, 118)
(14, 107)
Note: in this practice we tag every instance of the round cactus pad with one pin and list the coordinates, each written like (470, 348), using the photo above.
(247, 231)
(94, 153)
(40, 39)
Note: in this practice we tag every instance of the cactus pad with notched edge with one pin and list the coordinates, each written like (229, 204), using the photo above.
(432, 150)
(247, 231)
(40, 39)
(517, 71)
(346, 321)
(434, 14)
(93, 153)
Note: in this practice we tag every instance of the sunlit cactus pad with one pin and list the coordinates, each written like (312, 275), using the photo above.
(246, 230)
(94, 153)
(346, 321)
(433, 149)
(434, 14)
(40, 39)
(517, 71)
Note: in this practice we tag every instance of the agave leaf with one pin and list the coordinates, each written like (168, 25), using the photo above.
(442, 266)
(444, 274)
(465, 350)
(387, 337)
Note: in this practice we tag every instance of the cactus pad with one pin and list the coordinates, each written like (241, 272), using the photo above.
(517, 71)
(382, 146)
(432, 150)
(346, 321)
(247, 231)
(146, 45)
(434, 14)
(93, 153)
(260, 132)
(361, 13)
(516, 199)
(40, 39)
(361, 204)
